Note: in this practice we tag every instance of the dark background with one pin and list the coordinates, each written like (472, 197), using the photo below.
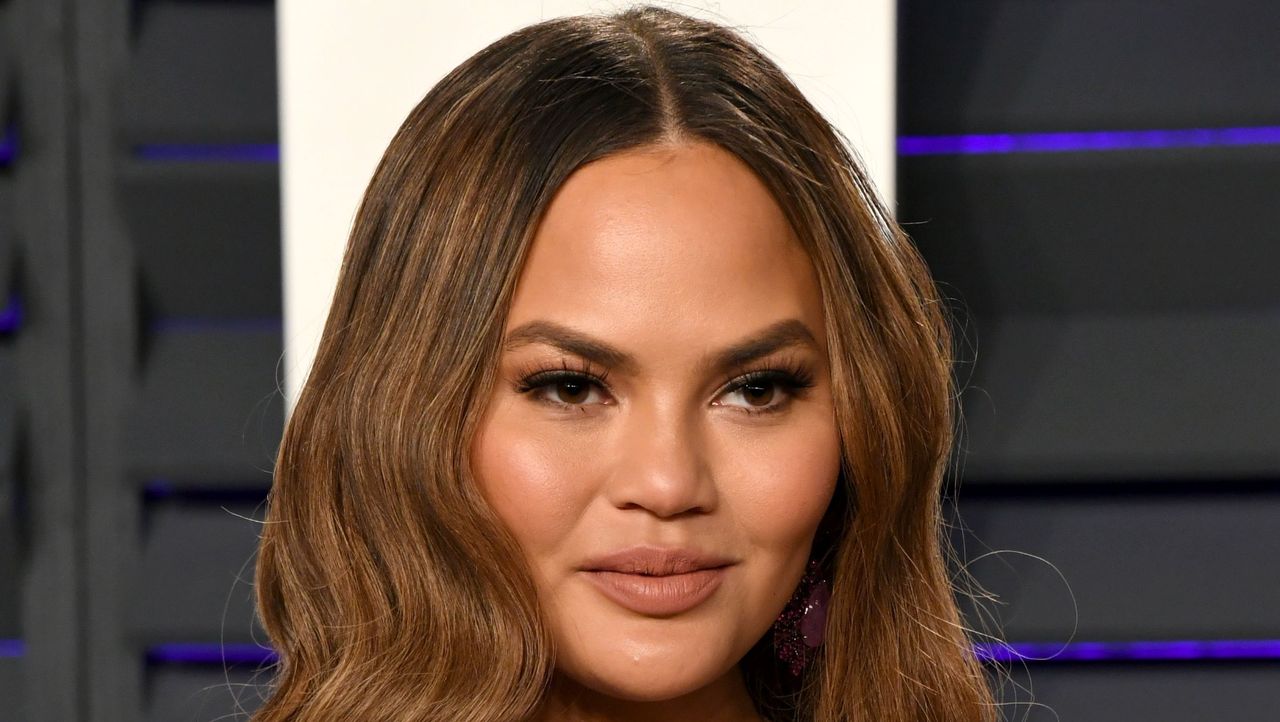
(1115, 295)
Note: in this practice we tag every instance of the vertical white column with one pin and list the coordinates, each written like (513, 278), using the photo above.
(350, 73)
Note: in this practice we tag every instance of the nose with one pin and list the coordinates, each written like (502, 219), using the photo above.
(661, 464)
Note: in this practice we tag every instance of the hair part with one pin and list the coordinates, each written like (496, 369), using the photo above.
(388, 586)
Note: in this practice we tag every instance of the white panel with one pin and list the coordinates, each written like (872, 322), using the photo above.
(350, 72)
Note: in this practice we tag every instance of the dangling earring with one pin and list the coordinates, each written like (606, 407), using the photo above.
(802, 625)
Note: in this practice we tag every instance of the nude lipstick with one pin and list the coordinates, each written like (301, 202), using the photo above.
(657, 581)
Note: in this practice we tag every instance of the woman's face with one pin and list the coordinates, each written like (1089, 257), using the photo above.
(661, 440)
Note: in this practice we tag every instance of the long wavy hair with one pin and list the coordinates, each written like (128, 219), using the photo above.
(387, 585)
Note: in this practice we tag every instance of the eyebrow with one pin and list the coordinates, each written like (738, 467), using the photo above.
(782, 334)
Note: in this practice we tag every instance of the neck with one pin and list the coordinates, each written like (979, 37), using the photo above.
(725, 700)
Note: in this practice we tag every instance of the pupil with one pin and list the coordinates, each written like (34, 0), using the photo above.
(758, 391)
(574, 389)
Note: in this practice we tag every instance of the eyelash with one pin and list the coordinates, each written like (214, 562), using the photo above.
(791, 375)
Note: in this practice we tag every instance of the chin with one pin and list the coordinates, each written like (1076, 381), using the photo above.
(644, 673)
(635, 686)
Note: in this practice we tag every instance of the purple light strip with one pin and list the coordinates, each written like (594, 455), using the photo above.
(1186, 650)
(11, 316)
(159, 490)
(8, 146)
(1197, 650)
(234, 152)
(908, 145)
(11, 648)
(1102, 140)
(196, 653)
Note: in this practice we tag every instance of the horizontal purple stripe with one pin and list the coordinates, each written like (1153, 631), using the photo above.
(908, 145)
(1188, 650)
(232, 152)
(196, 653)
(8, 146)
(1101, 140)
(1230, 649)
(164, 490)
(11, 316)
(11, 648)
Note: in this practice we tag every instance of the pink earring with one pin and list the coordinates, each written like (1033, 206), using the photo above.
(802, 625)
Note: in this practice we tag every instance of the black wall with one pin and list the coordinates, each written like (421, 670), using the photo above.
(1120, 316)
(140, 410)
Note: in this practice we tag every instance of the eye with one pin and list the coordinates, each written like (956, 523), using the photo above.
(762, 391)
(768, 390)
(564, 388)
(570, 389)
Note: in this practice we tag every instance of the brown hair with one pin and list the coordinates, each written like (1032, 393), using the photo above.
(390, 589)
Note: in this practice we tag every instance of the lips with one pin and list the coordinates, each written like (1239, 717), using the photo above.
(657, 582)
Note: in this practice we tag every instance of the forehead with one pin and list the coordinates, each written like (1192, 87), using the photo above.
(677, 243)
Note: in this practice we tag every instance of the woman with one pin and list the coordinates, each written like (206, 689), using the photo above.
(632, 403)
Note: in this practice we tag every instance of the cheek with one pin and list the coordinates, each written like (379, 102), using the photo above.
(784, 486)
(520, 471)
(784, 482)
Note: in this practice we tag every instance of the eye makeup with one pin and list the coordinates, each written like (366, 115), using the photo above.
(790, 374)
(532, 380)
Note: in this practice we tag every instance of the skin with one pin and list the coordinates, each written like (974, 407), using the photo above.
(668, 254)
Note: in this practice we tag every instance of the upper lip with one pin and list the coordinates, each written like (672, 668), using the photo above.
(656, 561)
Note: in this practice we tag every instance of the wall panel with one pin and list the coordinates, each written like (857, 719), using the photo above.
(1007, 66)
(201, 693)
(1140, 566)
(1170, 692)
(200, 72)
(195, 579)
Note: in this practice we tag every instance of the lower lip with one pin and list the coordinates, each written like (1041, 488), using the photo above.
(658, 596)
